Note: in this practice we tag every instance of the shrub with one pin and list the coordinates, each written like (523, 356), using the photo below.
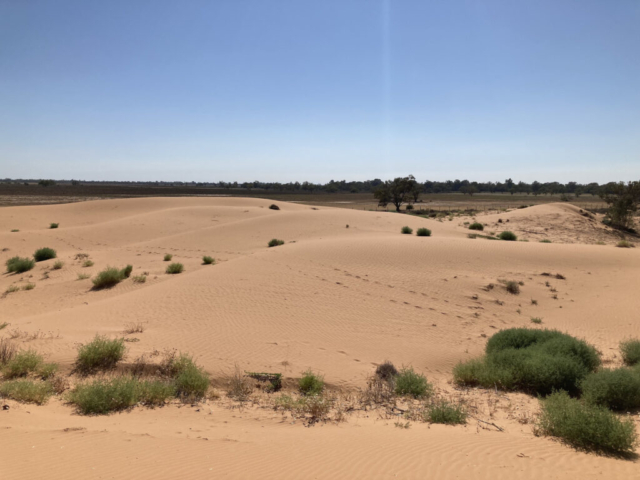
(273, 206)
(100, 354)
(126, 271)
(83, 276)
(140, 279)
(155, 392)
(27, 391)
(533, 361)
(512, 287)
(617, 389)
(168, 257)
(22, 364)
(423, 232)
(87, 263)
(630, 350)
(47, 370)
(208, 260)
(536, 320)
(12, 289)
(238, 386)
(8, 350)
(19, 265)
(445, 412)
(546, 240)
(15, 230)
(103, 396)
(311, 384)
(108, 278)
(54, 225)
(409, 207)
(624, 244)
(412, 384)
(29, 286)
(585, 426)
(476, 226)
(191, 381)
(44, 254)
(58, 265)
(506, 235)
(274, 242)
(406, 230)
(386, 371)
(175, 268)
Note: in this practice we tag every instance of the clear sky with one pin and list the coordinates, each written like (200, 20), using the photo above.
(285, 90)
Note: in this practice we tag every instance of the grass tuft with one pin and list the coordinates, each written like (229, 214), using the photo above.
(87, 263)
(54, 225)
(412, 384)
(445, 412)
(625, 244)
(108, 278)
(22, 363)
(168, 257)
(19, 265)
(100, 354)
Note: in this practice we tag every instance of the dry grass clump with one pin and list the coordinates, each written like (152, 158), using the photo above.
(58, 265)
(313, 408)
(625, 244)
(83, 276)
(87, 263)
(512, 287)
(12, 289)
(536, 320)
(175, 268)
(134, 327)
(238, 386)
(139, 279)
(8, 350)
(99, 354)
(445, 412)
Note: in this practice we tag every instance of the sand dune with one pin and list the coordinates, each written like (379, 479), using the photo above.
(336, 299)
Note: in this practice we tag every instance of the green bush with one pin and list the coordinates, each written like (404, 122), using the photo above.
(54, 225)
(100, 354)
(532, 361)
(512, 287)
(630, 350)
(476, 226)
(423, 232)
(168, 257)
(412, 384)
(191, 381)
(47, 370)
(311, 384)
(406, 230)
(126, 271)
(140, 279)
(442, 411)
(108, 278)
(545, 240)
(43, 254)
(617, 389)
(87, 263)
(585, 426)
(207, 260)
(22, 364)
(27, 391)
(273, 206)
(175, 268)
(155, 392)
(274, 242)
(19, 265)
(103, 396)
(510, 236)
(625, 244)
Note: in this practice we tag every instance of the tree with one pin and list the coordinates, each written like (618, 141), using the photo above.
(623, 203)
(468, 190)
(397, 191)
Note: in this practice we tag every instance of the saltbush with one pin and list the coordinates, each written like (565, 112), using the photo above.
(19, 265)
(510, 236)
(423, 232)
(101, 353)
(476, 226)
(617, 389)
(630, 350)
(412, 384)
(175, 268)
(43, 254)
(407, 230)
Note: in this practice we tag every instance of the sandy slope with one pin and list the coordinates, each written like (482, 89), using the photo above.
(336, 299)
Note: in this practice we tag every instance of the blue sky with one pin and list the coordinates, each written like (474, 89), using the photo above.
(285, 90)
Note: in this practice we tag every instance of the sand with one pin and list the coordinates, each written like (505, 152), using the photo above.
(335, 299)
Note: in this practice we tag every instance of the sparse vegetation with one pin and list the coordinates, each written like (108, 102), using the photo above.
(476, 226)
(15, 230)
(623, 203)
(512, 287)
(624, 244)
(412, 384)
(139, 279)
(22, 363)
(87, 263)
(406, 230)
(58, 265)
(168, 257)
(29, 286)
(175, 268)
(12, 289)
(99, 354)
(630, 350)
(83, 276)
(536, 320)
(126, 271)
(43, 254)
(274, 242)
(386, 371)
(19, 265)
(545, 240)
(423, 232)
(530, 360)
(584, 426)
(108, 278)
(507, 235)
(191, 381)
(54, 225)
(207, 260)
(238, 386)
(311, 383)
(26, 391)
(445, 412)
(8, 350)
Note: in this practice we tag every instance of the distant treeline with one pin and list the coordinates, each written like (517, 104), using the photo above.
(342, 186)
